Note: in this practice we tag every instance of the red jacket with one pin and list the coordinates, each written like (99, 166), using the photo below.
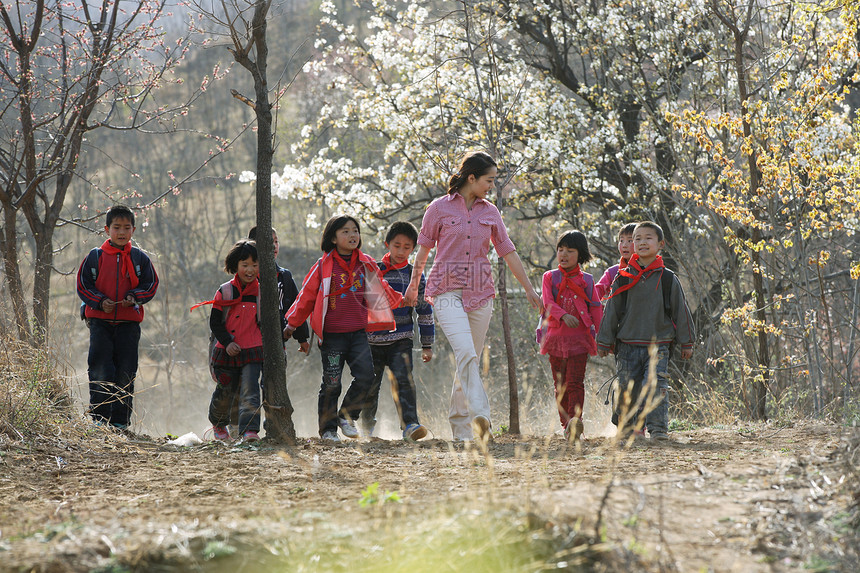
(101, 277)
(240, 325)
(380, 297)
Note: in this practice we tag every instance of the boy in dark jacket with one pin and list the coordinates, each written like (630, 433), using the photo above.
(287, 294)
(637, 316)
(114, 282)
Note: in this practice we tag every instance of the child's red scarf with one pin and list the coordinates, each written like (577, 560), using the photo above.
(634, 262)
(251, 289)
(567, 282)
(389, 266)
(127, 264)
(353, 262)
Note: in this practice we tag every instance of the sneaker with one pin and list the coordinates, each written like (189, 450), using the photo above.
(250, 436)
(348, 428)
(660, 436)
(330, 436)
(481, 427)
(367, 430)
(414, 432)
(221, 433)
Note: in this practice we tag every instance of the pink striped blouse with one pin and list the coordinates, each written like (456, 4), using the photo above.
(462, 239)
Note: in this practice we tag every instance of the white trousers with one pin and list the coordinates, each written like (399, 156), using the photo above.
(466, 332)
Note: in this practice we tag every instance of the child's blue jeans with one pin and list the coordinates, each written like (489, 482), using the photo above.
(337, 349)
(111, 368)
(244, 383)
(632, 363)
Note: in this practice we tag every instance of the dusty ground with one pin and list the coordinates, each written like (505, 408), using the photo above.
(757, 498)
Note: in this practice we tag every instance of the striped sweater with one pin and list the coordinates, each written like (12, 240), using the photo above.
(398, 279)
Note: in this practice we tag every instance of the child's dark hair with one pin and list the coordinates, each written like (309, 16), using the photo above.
(252, 234)
(332, 227)
(243, 249)
(475, 163)
(404, 228)
(626, 230)
(575, 240)
(651, 225)
(119, 212)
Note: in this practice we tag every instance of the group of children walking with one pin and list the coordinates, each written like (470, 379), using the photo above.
(363, 312)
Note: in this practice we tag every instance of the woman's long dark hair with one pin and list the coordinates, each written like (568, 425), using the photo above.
(475, 163)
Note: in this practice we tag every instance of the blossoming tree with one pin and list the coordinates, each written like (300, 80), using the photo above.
(67, 69)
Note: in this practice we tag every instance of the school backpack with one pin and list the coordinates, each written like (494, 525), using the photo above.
(540, 331)
(226, 294)
(92, 263)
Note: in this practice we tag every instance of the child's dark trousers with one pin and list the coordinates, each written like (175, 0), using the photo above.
(398, 357)
(337, 349)
(242, 384)
(111, 368)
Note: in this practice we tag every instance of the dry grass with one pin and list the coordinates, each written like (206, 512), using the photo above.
(33, 398)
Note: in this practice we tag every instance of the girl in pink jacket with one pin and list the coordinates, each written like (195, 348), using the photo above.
(571, 321)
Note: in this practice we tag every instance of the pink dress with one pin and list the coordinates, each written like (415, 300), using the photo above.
(561, 340)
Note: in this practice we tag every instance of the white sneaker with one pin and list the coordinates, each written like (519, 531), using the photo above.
(330, 436)
(348, 428)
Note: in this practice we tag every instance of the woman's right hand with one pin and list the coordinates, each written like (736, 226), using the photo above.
(233, 349)
(410, 297)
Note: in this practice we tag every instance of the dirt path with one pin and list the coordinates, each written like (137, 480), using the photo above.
(734, 499)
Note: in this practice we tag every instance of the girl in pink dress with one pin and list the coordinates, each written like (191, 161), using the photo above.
(572, 316)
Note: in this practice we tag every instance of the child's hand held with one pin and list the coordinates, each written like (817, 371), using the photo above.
(233, 349)
(426, 354)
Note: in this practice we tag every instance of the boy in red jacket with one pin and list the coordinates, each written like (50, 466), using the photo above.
(114, 281)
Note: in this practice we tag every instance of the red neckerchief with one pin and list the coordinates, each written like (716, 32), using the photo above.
(567, 282)
(250, 289)
(353, 262)
(634, 262)
(126, 264)
(389, 266)
(622, 264)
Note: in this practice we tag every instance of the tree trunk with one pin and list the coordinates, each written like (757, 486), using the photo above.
(42, 282)
(279, 409)
(513, 392)
(13, 272)
(760, 382)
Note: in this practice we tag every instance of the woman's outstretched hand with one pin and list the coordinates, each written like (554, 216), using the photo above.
(410, 297)
(534, 299)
